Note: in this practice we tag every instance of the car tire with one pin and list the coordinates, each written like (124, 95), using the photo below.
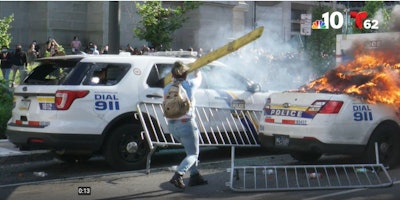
(388, 139)
(117, 152)
(305, 156)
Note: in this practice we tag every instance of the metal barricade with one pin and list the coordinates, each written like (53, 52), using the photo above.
(218, 127)
(238, 128)
(307, 177)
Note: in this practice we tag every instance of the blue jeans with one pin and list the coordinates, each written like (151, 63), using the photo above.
(22, 72)
(187, 133)
(6, 73)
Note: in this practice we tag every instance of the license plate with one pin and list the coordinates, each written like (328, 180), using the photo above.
(281, 140)
(238, 104)
(24, 104)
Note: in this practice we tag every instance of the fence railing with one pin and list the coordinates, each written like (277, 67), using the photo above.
(218, 127)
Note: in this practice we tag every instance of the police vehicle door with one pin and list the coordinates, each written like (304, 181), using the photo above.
(155, 82)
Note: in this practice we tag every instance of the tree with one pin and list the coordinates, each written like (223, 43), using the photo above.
(158, 23)
(373, 8)
(321, 44)
(5, 37)
(6, 100)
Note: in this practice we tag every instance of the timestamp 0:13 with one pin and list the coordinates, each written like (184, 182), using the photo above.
(84, 190)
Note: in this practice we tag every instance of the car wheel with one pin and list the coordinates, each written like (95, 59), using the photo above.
(125, 149)
(388, 139)
(72, 158)
(305, 156)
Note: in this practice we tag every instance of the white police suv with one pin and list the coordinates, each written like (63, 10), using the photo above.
(87, 108)
(308, 125)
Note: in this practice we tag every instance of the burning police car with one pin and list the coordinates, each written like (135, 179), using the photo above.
(346, 111)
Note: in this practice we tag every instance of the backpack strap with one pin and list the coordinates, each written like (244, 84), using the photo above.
(176, 83)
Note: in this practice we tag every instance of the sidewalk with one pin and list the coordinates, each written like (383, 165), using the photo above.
(11, 154)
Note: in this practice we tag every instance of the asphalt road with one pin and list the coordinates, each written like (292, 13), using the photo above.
(138, 185)
(64, 181)
(22, 169)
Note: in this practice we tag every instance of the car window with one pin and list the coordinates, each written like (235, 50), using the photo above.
(50, 72)
(214, 77)
(221, 78)
(105, 74)
(157, 75)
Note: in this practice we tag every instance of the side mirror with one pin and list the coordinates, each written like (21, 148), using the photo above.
(255, 87)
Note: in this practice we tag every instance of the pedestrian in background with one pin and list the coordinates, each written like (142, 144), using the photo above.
(185, 129)
(31, 54)
(129, 49)
(89, 48)
(104, 50)
(52, 47)
(94, 50)
(76, 45)
(37, 49)
(20, 63)
(6, 63)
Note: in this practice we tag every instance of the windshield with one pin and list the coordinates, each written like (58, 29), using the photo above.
(222, 78)
(214, 77)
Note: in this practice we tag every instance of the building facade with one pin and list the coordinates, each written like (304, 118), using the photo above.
(111, 23)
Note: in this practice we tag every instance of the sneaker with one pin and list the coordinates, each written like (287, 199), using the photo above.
(177, 180)
(197, 179)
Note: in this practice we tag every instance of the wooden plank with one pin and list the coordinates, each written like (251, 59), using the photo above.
(222, 51)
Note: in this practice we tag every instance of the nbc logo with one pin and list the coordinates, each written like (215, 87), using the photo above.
(318, 24)
(335, 20)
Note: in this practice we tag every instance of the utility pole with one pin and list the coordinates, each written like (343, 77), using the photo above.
(114, 20)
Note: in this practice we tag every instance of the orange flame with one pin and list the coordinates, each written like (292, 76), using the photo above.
(373, 76)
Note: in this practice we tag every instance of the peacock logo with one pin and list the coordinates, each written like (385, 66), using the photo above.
(318, 24)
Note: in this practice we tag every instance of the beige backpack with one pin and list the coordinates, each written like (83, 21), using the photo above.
(176, 103)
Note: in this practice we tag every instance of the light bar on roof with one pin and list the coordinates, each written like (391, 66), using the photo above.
(173, 53)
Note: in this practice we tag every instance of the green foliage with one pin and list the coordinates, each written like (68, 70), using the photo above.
(60, 52)
(6, 102)
(5, 37)
(321, 44)
(158, 23)
(372, 8)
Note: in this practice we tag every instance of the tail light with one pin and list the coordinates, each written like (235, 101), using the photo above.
(65, 98)
(326, 106)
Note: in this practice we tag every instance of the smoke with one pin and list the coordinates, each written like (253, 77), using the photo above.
(277, 69)
(395, 15)
(394, 23)
(278, 65)
(269, 61)
(389, 41)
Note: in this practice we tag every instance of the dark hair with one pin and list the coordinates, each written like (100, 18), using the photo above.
(183, 76)
(179, 70)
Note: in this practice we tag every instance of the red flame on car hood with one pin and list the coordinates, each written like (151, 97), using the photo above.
(373, 76)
